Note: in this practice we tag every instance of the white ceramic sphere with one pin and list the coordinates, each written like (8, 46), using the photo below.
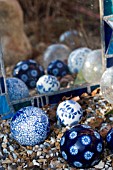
(93, 66)
(55, 52)
(106, 84)
(76, 59)
(69, 113)
(47, 84)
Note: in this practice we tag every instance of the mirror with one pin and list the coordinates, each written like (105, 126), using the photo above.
(44, 23)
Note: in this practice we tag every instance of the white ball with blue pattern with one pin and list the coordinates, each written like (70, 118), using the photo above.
(76, 59)
(17, 89)
(81, 146)
(69, 113)
(30, 126)
(47, 84)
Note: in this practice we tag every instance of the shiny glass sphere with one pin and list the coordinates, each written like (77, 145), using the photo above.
(92, 69)
(106, 84)
(55, 52)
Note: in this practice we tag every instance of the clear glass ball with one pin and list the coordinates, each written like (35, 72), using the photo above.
(93, 66)
(106, 84)
(56, 52)
(71, 38)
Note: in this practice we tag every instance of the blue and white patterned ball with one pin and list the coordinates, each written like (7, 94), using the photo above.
(76, 59)
(30, 126)
(69, 113)
(109, 139)
(28, 71)
(47, 84)
(57, 68)
(81, 146)
(17, 89)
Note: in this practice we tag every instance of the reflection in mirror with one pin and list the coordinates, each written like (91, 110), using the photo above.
(64, 37)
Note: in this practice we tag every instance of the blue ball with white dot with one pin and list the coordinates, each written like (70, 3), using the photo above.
(57, 68)
(30, 126)
(16, 88)
(109, 139)
(28, 71)
(81, 146)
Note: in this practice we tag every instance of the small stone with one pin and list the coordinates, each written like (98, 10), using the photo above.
(100, 165)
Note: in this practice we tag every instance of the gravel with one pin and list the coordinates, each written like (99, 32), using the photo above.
(47, 156)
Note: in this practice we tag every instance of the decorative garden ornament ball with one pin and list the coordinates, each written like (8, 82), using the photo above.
(47, 84)
(106, 84)
(93, 67)
(30, 126)
(57, 68)
(17, 89)
(28, 71)
(81, 146)
(54, 52)
(71, 38)
(76, 59)
(69, 113)
(109, 139)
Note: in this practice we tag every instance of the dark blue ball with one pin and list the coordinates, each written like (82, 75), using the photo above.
(57, 68)
(109, 139)
(29, 72)
(81, 146)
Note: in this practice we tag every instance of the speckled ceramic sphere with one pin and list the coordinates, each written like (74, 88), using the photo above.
(71, 38)
(30, 126)
(76, 59)
(106, 84)
(93, 68)
(28, 71)
(69, 113)
(81, 146)
(109, 139)
(56, 52)
(17, 89)
(47, 84)
(57, 68)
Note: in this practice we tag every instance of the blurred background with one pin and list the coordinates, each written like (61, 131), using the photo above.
(28, 27)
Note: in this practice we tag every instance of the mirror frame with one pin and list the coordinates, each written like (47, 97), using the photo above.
(7, 107)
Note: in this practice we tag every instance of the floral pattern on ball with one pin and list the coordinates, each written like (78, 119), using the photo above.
(69, 113)
(81, 149)
(28, 71)
(47, 84)
(57, 68)
(30, 126)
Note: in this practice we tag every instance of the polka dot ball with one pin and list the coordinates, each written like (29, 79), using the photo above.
(81, 146)
(28, 71)
(57, 68)
(109, 139)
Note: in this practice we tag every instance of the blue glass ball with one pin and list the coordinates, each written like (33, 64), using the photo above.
(47, 84)
(28, 71)
(17, 89)
(57, 68)
(30, 126)
(69, 113)
(81, 146)
(109, 139)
